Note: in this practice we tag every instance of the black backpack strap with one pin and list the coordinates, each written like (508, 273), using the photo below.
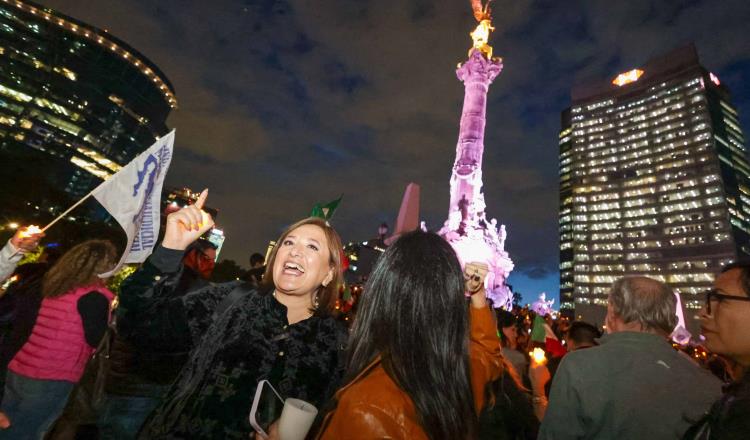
(233, 296)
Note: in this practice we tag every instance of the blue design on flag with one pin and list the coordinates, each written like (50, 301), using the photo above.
(145, 237)
(142, 173)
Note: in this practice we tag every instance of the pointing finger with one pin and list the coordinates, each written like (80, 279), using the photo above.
(201, 199)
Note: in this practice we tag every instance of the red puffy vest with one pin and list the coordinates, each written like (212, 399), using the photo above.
(57, 348)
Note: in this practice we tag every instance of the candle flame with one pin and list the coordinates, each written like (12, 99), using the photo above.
(30, 230)
(538, 356)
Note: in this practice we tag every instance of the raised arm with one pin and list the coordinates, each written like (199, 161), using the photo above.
(151, 313)
(9, 258)
(484, 350)
(22, 242)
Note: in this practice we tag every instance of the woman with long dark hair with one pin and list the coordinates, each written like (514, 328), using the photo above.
(419, 355)
(69, 325)
(283, 332)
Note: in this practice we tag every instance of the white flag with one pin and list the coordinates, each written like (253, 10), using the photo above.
(133, 197)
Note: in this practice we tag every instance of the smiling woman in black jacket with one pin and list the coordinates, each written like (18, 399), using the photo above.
(284, 332)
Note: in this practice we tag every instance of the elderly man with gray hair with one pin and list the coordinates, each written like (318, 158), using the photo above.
(634, 385)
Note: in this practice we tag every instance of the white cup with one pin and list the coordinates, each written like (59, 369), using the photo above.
(296, 419)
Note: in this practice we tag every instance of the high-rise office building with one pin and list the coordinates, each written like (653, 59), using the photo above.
(654, 180)
(75, 96)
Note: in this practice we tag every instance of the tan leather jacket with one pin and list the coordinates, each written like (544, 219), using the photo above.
(372, 406)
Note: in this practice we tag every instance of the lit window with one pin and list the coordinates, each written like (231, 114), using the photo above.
(90, 167)
(18, 96)
(64, 71)
(640, 223)
(643, 267)
(722, 237)
(691, 277)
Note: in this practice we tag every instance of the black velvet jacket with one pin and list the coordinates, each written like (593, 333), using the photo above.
(250, 341)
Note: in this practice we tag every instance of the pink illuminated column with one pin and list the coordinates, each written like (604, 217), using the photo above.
(467, 229)
(477, 74)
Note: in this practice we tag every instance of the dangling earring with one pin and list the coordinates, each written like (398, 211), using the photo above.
(316, 303)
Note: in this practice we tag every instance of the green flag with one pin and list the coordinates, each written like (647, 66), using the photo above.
(538, 333)
(326, 211)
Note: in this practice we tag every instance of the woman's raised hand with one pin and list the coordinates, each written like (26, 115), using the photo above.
(26, 239)
(474, 275)
(187, 224)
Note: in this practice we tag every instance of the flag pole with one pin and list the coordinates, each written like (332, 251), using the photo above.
(57, 219)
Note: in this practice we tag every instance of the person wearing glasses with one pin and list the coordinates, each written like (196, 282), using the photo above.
(725, 323)
(634, 385)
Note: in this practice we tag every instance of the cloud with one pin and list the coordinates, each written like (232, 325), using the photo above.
(539, 272)
(284, 104)
(233, 135)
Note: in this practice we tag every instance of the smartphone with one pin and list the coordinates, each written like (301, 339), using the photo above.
(266, 409)
(217, 237)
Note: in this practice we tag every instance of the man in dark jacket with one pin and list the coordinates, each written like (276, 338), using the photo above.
(138, 378)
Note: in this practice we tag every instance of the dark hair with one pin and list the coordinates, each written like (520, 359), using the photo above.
(201, 245)
(79, 267)
(256, 258)
(509, 405)
(504, 319)
(414, 315)
(744, 266)
(328, 294)
(583, 333)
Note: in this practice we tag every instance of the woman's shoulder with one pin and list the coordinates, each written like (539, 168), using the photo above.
(378, 389)
(374, 407)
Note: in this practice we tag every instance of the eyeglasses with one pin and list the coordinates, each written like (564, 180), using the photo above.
(713, 295)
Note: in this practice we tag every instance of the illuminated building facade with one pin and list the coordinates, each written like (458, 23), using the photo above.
(75, 95)
(654, 181)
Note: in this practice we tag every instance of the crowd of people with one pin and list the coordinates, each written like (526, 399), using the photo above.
(426, 356)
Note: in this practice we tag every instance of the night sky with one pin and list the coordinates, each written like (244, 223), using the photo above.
(283, 104)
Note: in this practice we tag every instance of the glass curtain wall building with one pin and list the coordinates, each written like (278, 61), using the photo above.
(73, 94)
(654, 180)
